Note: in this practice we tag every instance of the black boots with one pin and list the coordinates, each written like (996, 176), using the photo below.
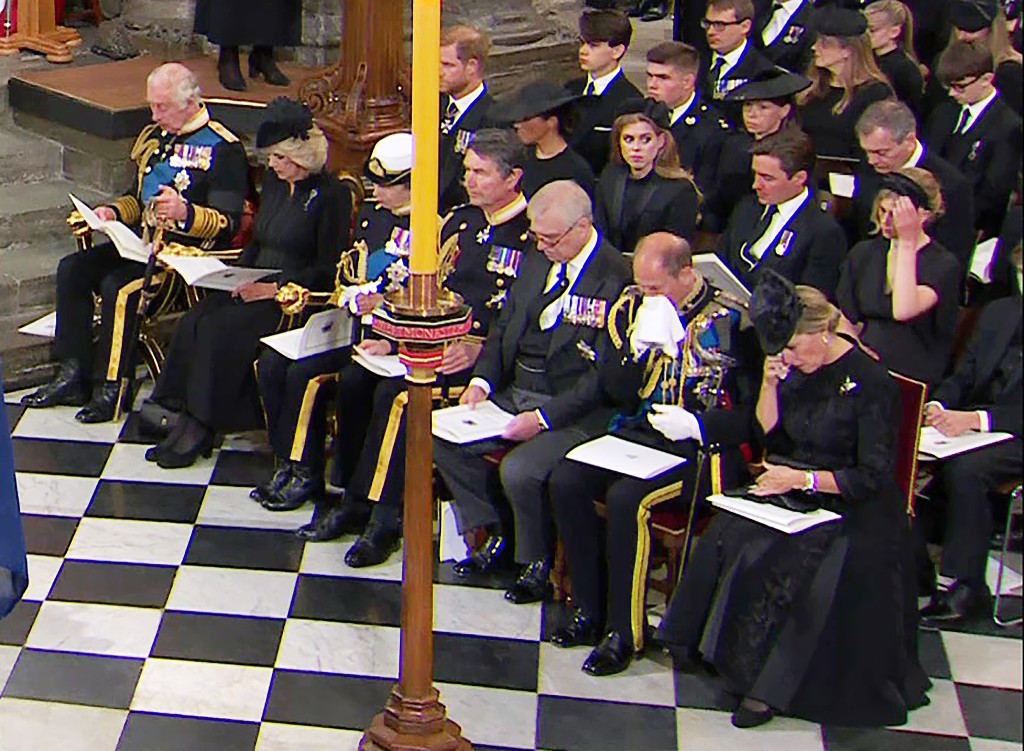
(261, 63)
(66, 389)
(229, 71)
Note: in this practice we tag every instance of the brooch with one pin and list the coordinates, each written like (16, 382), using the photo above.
(847, 387)
(182, 181)
(586, 351)
(312, 197)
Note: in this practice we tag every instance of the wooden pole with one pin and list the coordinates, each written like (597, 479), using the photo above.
(38, 32)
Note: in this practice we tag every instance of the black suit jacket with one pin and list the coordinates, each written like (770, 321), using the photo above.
(751, 63)
(988, 156)
(575, 348)
(970, 386)
(954, 231)
(591, 136)
(815, 251)
(700, 134)
(453, 150)
(792, 47)
(659, 205)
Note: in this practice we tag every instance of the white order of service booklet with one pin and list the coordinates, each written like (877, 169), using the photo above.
(465, 424)
(626, 457)
(784, 520)
(933, 445)
(325, 331)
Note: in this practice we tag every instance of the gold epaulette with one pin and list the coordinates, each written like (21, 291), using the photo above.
(222, 131)
(352, 266)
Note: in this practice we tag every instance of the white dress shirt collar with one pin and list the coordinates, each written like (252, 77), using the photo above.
(916, 157)
(731, 59)
(678, 112)
(463, 103)
(779, 20)
(975, 110)
(603, 82)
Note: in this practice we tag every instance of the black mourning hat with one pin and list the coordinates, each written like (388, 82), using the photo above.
(657, 112)
(775, 311)
(839, 22)
(532, 100)
(973, 15)
(283, 119)
(775, 83)
(902, 185)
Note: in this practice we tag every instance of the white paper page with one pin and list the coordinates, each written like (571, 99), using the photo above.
(716, 272)
(325, 331)
(1012, 580)
(45, 326)
(388, 366)
(193, 268)
(453, 546)
(90, 216)
(625, 457)
(461, 424)
(981, 260)
(288, 343)
(840, 185)
(129, 245)
(933, 443)
(784, 520)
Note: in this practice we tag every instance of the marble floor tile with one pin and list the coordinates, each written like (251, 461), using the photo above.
(42, 571)
(350, 600)
(992, 712)
(492, 716)
(51, 457)
(242, 468)
(704, 730)
(130, 541)
(156, 732)
(147, 501)
(475, 610)
(485, 661)
(584, 725)
(334, 701)
(226, 506)
(280, 737)
(643, 683)
(136, 584)
(328, 559)
(59, 423)
(987, 744)
(346, 648)
(266, 549)
(73, 678)
(882, 739)
(942, 715)
(127, 462)
(48, 535)
(985, 660)
(58, 495)
(209, 589)
(8, 656)
(42, 726)
(228, 639)
(197, 689)
(14, 627)
(94, 629)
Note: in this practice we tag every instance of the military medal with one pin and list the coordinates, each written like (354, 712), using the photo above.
(586, 351)
(974, 151)
(782, 247)
(793, 35)
(505, 261)
(690, 120)
(463, 139)
(399, 243)
(484, 236)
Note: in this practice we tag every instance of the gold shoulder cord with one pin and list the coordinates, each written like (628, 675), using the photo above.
(446, 262)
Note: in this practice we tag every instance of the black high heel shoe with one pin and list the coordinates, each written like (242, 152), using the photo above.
(229, 71)
(194, 441)
(261, 63)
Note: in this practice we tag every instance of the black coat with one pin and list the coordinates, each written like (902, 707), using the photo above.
(792, 47)
(277, 23)
(906, 79)
(833, 133)
(1004, 274)
(973, 386)
(653, 204)
(734, 181)
(592, 132)
(574, 349)
(700, 134)
(815, 251)
(453, 149)
(954, 231)
(988, 156)
(751, 64)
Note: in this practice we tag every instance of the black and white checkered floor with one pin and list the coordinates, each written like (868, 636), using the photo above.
(168, 611)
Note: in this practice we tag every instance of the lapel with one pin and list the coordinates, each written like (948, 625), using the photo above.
(1000, 340)
(962, 145)
(588, 284)
(528, 288)
(796, 225)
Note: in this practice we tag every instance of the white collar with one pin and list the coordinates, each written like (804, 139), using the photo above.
(463, 103)
(979, 107)
(732, 58)
(678, 112)
(786, 209)
(602, 83)
(915, 158)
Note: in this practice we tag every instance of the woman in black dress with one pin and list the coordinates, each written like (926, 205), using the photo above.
(845, 81)
(822, 624)
(264, 24)
(891, 28)
(899, 291)
(301, 227)
(643, 189)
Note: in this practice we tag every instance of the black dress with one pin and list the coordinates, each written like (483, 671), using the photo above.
(906, 78)
(819, 625)
(626, 210)
(230, 23)
(919, 348)
(565, 165)
(209, 368)
(833, 133)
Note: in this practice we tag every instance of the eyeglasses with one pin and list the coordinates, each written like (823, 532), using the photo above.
(959, 86)
(545, 241)
(707, 23)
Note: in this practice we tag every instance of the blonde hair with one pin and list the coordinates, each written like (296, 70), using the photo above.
(818, 313)
(897, 14)
(309, 153)
(861, 69)
(666, 164)
(926, 181)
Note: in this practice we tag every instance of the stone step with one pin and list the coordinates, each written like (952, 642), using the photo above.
(28, 274)
(37, 212)
(25, 158)
(26, 359)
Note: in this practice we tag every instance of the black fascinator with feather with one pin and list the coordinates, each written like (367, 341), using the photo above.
(775, 310)
(283, 119)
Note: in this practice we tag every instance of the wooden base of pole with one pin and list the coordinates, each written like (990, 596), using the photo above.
(56, 45)
(413, 725)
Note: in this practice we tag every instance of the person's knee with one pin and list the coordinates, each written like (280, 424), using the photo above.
(69, 271)
(965, 471)
(521, 474)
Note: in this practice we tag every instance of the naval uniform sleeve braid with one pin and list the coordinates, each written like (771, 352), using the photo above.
(128, 210)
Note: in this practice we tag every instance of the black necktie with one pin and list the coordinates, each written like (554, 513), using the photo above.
(590, 90)
(713, 74)
(759, 229)
(451, 114)
(961, 124)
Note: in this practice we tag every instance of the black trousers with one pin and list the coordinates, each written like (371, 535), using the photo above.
(353, 403)
(118, 282)
(209, 370)
(966, 480)
(609, 566)
(296, 395)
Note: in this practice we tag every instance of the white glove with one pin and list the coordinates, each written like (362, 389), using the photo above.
(350, 294)
(657, 326)
(675, 423)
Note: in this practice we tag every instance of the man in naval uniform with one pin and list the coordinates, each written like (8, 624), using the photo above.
(483, 245)
(683, 378)
(193, 173)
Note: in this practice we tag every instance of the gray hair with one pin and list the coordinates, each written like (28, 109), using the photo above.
(500, 146)
(182, 82)
(890, 115)
(564, 199)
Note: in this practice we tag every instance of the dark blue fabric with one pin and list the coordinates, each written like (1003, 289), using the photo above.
(13, 562)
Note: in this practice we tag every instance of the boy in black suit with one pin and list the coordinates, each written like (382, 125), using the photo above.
(782, 227)
(785, 33)
(604, 39)
(977, 132)
(734, 61)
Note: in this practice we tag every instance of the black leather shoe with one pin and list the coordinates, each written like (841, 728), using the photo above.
(581, 632)
(229, 71)
(102, 406)
(374, 546)
(611, 656)
(958, 604)
(745, 717)
(633, 10)
(331, 521)
(64, 390)
(655, 12)
(261, 63)
(303, 484)
(490, 557)
(532, 584)
(262, 492)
